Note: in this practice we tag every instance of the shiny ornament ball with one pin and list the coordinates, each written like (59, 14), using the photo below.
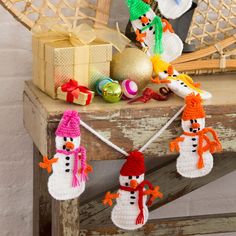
(129, 89)
(133, 64)
(112, 92)
(101, 83)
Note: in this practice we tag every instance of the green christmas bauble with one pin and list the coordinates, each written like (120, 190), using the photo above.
(132, 64)
(111, 92)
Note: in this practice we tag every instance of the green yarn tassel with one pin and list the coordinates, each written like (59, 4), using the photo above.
(158, 49)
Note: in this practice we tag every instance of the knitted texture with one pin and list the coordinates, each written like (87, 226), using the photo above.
(131, 210)
(69, 166)
(173, 9)
(193, 109)
(69, 125)
(195, 147)
(134, 165)
(137, 8)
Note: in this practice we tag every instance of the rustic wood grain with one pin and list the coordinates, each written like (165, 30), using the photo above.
(41, 199)
(182, 226)
(131, 126)
(172, 185)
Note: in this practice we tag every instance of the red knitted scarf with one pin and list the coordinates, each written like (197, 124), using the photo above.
(140, 217)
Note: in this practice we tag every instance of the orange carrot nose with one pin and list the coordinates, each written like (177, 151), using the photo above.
(69, 145)
(144, 19)
(170, 70)
(133, 184)
(195, 125)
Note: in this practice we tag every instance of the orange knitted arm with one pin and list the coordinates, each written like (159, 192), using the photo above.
(140, 36)
(168, 26)
(155, 193)
(109, 197)
(216, 144)
(157, 80)
(174, 145)
(88, 169)
(47, 163)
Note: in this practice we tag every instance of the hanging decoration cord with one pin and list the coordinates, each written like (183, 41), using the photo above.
(109, 143)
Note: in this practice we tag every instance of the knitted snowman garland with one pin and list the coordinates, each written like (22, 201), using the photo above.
(153, 32)
(69, 163)
(195, 147)
(130, 211)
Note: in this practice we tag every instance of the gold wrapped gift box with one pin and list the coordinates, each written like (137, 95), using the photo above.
(56, 62)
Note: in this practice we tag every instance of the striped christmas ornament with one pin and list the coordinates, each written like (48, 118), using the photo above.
(129, 89)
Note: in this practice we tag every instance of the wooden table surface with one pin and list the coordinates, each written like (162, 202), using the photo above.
(130, 126)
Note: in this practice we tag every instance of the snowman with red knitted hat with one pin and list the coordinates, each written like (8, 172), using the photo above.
(194, 145)
(130, 211)
(69, 163)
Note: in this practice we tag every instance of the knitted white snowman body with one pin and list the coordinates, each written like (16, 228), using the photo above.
(194, 146)
(67, 180)
(125, 212)
(172, 9)
(142, 16)
(60, 181)
(187, 161)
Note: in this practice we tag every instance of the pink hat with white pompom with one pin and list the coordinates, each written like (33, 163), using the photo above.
(69, 125)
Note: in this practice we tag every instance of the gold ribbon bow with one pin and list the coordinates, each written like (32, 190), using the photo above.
(81, 34)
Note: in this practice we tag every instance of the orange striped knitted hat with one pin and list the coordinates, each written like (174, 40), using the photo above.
(193, 109)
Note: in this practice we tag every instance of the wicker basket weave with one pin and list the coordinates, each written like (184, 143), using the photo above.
(69, 12)
(214, 21)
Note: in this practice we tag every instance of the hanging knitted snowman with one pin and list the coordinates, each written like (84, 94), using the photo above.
(195, 147)
(131, 210)
(69, 163)
(153, 33)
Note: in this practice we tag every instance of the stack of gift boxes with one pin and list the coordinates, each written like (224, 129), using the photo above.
(68, 72)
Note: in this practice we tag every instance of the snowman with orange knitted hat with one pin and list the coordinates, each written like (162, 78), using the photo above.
(195, 147)
(131, 210)
(69, 163)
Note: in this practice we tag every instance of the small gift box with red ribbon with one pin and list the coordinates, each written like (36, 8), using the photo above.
(73, 93)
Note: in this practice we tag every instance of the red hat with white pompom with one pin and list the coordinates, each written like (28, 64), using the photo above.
(134, 165)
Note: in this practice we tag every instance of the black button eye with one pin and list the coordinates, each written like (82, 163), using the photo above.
(137, 177)
(140, 18)
(65, 139)
(130, 177)
(126, 184)
(195, 121)
(174, 75)
(165, 71)
(191, 121)
(144, 14)
(71, 139)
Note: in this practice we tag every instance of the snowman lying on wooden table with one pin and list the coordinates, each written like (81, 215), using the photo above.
(69, 163)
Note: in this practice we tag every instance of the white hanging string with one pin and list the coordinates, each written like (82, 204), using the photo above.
(109, 143)
(159, 133)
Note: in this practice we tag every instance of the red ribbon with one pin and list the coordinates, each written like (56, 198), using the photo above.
(73, 90)
(147, 95)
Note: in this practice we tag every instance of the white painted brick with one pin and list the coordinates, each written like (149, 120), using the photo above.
(16, 173)
(15, 62)
(17, 37)
(11, 90)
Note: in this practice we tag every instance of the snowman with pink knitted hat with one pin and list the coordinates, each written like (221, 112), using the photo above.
(69, 163)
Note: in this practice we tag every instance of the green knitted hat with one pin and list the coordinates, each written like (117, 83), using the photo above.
(137, 8)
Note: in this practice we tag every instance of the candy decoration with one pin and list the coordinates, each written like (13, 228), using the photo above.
(132, 63)
(195, 147)
(130, 211)
(129, 89)
(112, 92)
(69, 163)
(101, 83)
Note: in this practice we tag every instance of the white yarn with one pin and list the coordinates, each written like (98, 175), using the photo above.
(109, 143)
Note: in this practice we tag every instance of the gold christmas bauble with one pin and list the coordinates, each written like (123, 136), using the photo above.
(132, 64)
